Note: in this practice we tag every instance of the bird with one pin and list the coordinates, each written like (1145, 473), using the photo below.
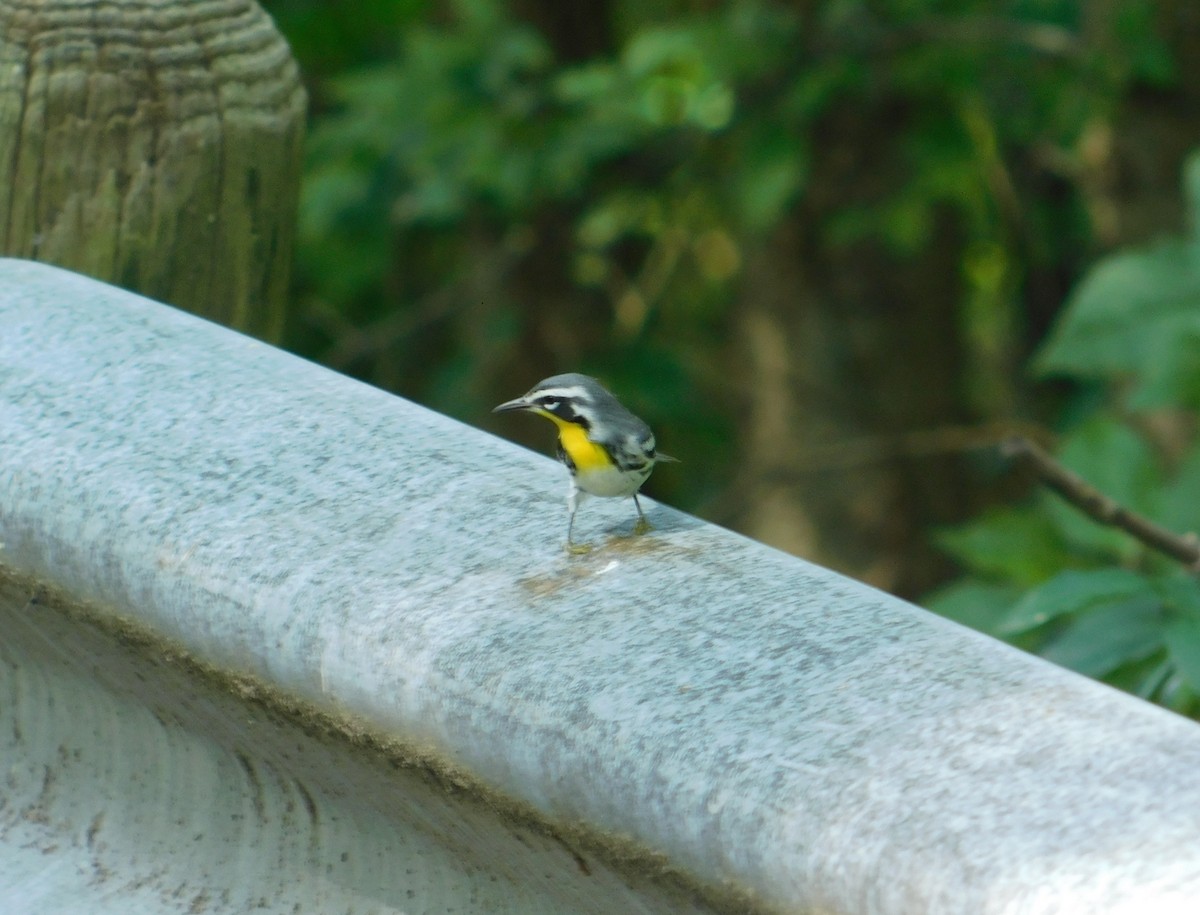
(606, 449)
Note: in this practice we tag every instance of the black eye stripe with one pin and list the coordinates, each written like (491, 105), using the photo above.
(565, 409)
(568, 412)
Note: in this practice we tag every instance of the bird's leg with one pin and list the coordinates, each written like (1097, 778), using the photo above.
(574, 497)
(642, 524)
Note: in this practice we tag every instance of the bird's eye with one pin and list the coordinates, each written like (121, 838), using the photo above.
(551, 403)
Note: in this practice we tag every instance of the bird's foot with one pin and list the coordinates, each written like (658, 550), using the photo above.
(578, 549)
(641, 527)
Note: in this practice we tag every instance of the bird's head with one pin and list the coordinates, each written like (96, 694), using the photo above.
(568, 398)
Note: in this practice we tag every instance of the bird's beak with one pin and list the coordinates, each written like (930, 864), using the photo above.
(511, 406)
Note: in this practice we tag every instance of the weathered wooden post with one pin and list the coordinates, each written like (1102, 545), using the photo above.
(156, 146)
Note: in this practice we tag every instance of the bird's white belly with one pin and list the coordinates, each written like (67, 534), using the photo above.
(608, 481)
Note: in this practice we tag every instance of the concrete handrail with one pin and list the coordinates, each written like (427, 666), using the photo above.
(273, 638)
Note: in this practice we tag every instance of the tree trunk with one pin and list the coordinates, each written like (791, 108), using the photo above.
(848, 351)
(156, 146)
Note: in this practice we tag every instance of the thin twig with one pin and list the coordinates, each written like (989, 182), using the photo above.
(880, 449)
(1102, 508)
(848, 455)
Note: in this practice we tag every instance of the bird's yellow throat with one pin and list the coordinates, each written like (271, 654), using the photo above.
(585, 455)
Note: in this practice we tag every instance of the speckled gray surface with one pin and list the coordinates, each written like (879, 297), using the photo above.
(764, 724)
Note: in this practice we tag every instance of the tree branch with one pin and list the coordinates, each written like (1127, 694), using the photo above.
(1099, 507)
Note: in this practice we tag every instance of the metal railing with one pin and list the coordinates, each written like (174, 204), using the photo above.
(274, 640)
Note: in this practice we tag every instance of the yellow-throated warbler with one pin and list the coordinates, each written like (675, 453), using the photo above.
(608, 450)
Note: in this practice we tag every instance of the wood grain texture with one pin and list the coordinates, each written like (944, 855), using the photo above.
(155, 145)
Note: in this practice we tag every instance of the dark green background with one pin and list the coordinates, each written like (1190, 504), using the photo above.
(831, 251)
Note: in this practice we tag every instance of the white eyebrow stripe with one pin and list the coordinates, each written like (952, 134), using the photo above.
(584, 410)
(565, 393)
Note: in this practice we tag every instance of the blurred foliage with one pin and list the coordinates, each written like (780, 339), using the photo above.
(497, 192)
(1048, 578)
(479, 208)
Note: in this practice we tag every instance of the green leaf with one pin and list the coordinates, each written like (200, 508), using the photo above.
(1021, 545)
(1179, 592)
(1073, 592)
(1114, 459)
(1173, 378)
(664, 100)
(661, 51)
(973, 603)
(1178, 695)
(712, 107)
(1191, 190)
(590, 82)
(1182, 636)
(1181, 596)
(1151, 681)
(775, 166)
(1137, 313)
(1104, 639)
